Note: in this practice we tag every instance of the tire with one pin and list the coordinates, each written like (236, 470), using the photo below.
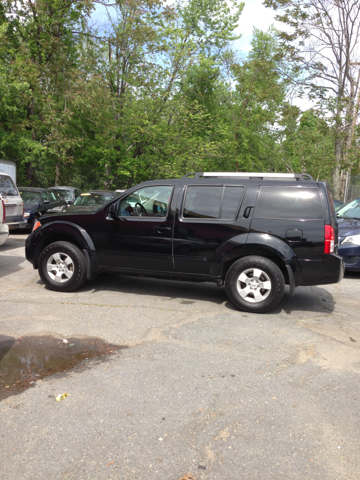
(62, 267)
(255, 284)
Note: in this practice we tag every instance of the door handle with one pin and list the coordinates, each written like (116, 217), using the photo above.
(163, 229)
(247, 212)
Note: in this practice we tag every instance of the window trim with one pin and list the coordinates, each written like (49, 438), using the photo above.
(218, 219)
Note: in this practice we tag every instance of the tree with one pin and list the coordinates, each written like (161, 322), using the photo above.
(323, 37)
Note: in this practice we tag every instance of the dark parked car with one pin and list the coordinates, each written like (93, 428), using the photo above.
(349, 234)
(69, 194)
(252, 232)
(37, 202)
(92, 198)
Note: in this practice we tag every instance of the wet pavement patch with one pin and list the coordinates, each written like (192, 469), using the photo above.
(25, 360)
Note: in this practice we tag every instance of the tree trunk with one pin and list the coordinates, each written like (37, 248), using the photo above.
(336, 172)
(57, 174)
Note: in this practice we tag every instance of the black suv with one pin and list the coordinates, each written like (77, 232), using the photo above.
(253, 232)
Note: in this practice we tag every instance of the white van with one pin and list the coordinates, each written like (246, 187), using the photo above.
(14, 204)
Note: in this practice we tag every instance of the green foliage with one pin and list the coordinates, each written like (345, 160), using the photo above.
(160, 94)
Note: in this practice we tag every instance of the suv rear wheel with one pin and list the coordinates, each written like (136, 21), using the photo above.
(62, 267)
(255, 284)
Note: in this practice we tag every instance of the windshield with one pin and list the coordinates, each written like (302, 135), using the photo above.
(64, 194)
(7, 186)
(350, 210)
(94, 199)
(30, 197)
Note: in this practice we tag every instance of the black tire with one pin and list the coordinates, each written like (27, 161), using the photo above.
(70, 270)
(250, 291)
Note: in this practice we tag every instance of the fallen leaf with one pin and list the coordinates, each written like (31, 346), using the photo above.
(110, 463)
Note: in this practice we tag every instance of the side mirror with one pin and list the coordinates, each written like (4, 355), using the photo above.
(113, 210)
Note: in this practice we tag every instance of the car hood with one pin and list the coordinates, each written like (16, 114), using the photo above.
(348, 226)
(69, 213)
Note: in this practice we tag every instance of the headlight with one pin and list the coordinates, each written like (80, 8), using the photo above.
(351, 240)
(26, 214)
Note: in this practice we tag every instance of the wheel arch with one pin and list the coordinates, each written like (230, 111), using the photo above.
(268, 247)
(66, 232)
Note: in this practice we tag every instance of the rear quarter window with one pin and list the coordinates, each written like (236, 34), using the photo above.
(289, 203)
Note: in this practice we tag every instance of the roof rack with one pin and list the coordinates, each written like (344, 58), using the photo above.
(250, 175)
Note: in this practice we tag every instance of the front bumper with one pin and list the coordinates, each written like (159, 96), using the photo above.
(351, 256)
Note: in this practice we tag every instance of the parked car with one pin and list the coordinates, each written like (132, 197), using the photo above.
(337, 204)
(4, 228)
(14, 204)
(37, 202)
(91, 199)
(252, 232)
(349, 234)
(69, 194)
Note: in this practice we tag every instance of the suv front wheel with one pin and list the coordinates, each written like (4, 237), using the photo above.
(62, 267)
(255, 284)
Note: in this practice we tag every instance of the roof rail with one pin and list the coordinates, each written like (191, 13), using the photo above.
(250, 175)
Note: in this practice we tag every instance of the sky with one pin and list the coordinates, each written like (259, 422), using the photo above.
(254, 15)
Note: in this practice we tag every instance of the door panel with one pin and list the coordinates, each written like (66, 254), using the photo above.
(140, 238)
(200, 227)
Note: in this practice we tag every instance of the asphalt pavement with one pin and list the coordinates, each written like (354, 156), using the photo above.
(198, 391)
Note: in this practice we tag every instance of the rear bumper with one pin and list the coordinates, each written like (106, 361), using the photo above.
(16, 225)
(351, 256)
(15, 221)
(329, 269)
(4, 233)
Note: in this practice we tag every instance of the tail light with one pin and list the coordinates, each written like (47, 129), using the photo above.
(329, 246)
(4, 212)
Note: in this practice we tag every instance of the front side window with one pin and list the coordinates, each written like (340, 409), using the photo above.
(151, 201)
(289, 203)
(44, 197)
(212, 202)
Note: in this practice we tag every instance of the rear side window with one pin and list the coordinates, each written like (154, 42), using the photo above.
(212, 202)
(289, 203)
